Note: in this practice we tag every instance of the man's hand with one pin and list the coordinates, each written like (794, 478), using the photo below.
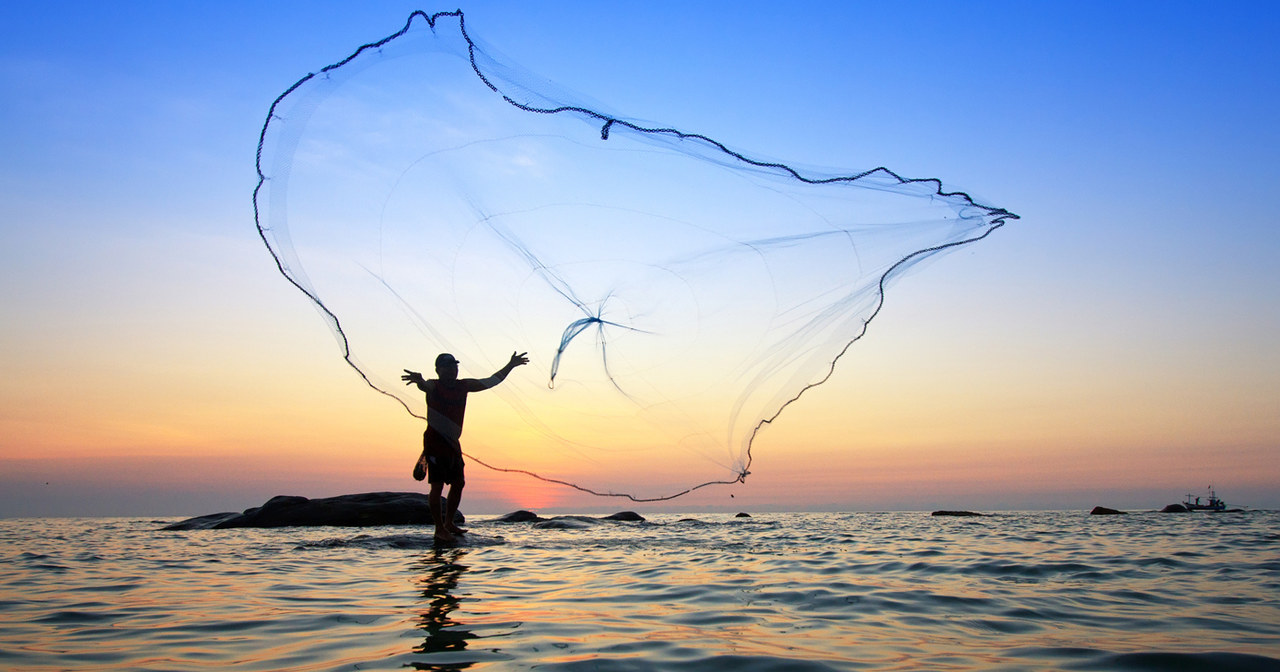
(518, 360)
(413, 377)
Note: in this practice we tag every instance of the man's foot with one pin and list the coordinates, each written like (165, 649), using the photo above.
(444, 537)
(455, 529)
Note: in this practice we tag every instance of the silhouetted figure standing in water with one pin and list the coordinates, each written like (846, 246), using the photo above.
(441, 459)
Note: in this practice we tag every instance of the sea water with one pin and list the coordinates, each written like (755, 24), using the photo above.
(855, 591)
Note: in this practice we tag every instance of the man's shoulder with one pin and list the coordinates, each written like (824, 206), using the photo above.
(471, 384)
(457, 384)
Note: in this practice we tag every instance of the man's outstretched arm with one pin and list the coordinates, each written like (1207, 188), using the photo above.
(501, 374)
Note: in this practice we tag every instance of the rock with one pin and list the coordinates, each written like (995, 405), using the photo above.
(204, 522)
(1175, 508)
(956, 513)
(1104, 511)
(287, 500)
(742, 514)
(359, 510)
(567, 523)
(520, 516)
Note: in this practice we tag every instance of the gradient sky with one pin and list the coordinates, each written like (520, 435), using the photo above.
(1116, 346)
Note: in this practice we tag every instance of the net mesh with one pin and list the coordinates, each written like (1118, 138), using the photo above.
(675, 294)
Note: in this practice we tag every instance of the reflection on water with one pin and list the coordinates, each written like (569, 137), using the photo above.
(439, 571)
(872, 592)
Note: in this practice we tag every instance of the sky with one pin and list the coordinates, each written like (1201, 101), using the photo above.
(1116, 346)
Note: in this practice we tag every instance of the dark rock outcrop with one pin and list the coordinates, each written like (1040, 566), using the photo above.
(520, 516)
(957, 513)
(742, 514)
(361, 510)
(1104, 511)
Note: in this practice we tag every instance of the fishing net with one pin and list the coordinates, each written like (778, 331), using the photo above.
(675, 295)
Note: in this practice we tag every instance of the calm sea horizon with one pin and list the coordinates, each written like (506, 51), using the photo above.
(1030, 590)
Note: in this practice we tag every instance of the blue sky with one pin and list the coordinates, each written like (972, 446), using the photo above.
(1137, 298)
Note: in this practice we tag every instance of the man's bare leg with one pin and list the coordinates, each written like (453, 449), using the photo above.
(455, 498)
(437, 516)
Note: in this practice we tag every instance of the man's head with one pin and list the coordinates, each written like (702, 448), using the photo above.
(446, 366)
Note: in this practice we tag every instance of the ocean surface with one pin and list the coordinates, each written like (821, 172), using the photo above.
(857, 591)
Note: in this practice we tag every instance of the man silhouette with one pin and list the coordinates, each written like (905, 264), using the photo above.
(441, 460)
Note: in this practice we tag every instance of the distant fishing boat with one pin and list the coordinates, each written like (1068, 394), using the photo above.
(1213, 503)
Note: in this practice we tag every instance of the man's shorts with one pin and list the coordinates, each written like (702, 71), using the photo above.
(444, 462)
(445, 468)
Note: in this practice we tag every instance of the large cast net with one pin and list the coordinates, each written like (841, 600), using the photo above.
(675, 295)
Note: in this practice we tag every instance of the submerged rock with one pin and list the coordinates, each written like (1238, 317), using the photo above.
(360, 510)
(567, 523)
(957, 513)
(205, 522)
(742, 514)
(1104, 511)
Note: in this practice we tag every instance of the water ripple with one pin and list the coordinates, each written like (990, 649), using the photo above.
(1015, 591)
